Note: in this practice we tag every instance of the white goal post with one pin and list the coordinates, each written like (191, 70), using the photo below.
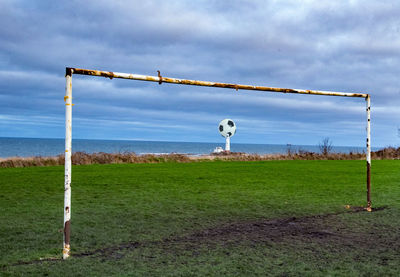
(160, 79)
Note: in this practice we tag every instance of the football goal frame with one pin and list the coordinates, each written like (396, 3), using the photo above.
(160, 79)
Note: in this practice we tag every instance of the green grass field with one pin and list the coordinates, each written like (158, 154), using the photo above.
(280, 218)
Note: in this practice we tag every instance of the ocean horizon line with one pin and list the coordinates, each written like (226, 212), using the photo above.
(45, 147)
(177, 141)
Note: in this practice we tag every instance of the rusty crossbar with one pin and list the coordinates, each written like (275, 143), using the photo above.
(160, 79)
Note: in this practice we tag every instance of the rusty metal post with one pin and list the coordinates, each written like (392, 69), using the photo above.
(67, 167)
(368, 102)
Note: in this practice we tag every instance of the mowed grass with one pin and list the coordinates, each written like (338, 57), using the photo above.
(156, 219)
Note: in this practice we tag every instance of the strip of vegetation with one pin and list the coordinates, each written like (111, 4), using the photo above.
(82, 158)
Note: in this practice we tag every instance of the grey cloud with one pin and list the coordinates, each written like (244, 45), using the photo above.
(310, 44)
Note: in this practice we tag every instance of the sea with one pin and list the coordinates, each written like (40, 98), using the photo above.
(29, 147)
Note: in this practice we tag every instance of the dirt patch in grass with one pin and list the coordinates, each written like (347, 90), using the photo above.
(325, 228)
(330, 230)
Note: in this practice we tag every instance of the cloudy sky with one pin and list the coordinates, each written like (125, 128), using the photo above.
(349, 46)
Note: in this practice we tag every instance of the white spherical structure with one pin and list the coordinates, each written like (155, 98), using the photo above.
(227, 128)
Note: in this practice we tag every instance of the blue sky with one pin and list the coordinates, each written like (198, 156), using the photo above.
(323, 45)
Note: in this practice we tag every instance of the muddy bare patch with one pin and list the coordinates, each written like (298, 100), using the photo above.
(327, 229)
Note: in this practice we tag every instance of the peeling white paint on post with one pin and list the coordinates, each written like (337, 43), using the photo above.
(68, 152)
(368, 155)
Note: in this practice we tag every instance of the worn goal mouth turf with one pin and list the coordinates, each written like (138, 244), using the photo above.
(328, 229)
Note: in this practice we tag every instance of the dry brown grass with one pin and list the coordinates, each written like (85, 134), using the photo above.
(291, 155)
(128, 157)
(82, 158)
(387, 153)
(32, 161)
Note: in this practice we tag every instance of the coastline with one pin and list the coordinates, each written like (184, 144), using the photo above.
(30, 147)
(83, 158)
